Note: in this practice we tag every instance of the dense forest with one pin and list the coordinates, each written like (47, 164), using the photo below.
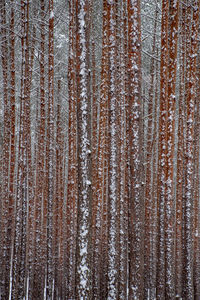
(99, 149)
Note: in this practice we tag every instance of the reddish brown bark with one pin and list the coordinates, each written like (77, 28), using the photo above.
(149, 201)
(99, 154)
(50, 155)
(189, 154)
(171, 101)
(196, 221)
(162, 152)
(24, 166)
(5, 238)
(40, 223)
(72, 184)
(180, 164)
(83, 241)
(136, 206)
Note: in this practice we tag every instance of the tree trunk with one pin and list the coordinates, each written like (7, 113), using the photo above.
(136, 207)
(83, 263)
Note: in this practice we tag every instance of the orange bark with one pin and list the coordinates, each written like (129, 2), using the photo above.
(180, 164)
(72, 183)
(162, 152)
(136, 205)
(189, 154)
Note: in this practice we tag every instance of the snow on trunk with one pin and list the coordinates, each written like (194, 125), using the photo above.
(136, 205)
(83, 284)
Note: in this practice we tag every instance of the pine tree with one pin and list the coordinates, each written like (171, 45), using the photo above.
(162, 152)
(171, 101)
(5, 245)
(83, 266)
(189, 155)
(72, 184)
(50, 155)
(136, 213)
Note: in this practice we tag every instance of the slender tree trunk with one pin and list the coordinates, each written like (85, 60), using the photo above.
(180, 164)
(31, 190)
(99, 140)
(24, 158)
(162, 152)
(5, 253)
(189, 156)
(153, 265)
(83, 263)
(171, 101)
(196, 222)
(58, 205)
(40, 229)
(103, 155)
(123, 155)
(148, 276)
(112, 161)
(50, 156)
(136, 206)
(72, 185)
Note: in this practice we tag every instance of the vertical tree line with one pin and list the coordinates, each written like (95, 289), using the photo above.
(100, 137)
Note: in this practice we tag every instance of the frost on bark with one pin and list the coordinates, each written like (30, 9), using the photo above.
(4, 253)
(83, 267)
(23, 175)
(136, 206)
(162, 152)
(153, 260)
(9, 153)
(191, 62)
(12, 178)
(196, 220)
(104, 230)
(50, 155)
(123, 153)
(12, 133)
(72, 184)
(112, 164)
(96, 204)
(58, 209)
(180, 162)
(37, 272)
(171, 101)
(98, 175)
(103, 155)
(30, 40)
(149, 199)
